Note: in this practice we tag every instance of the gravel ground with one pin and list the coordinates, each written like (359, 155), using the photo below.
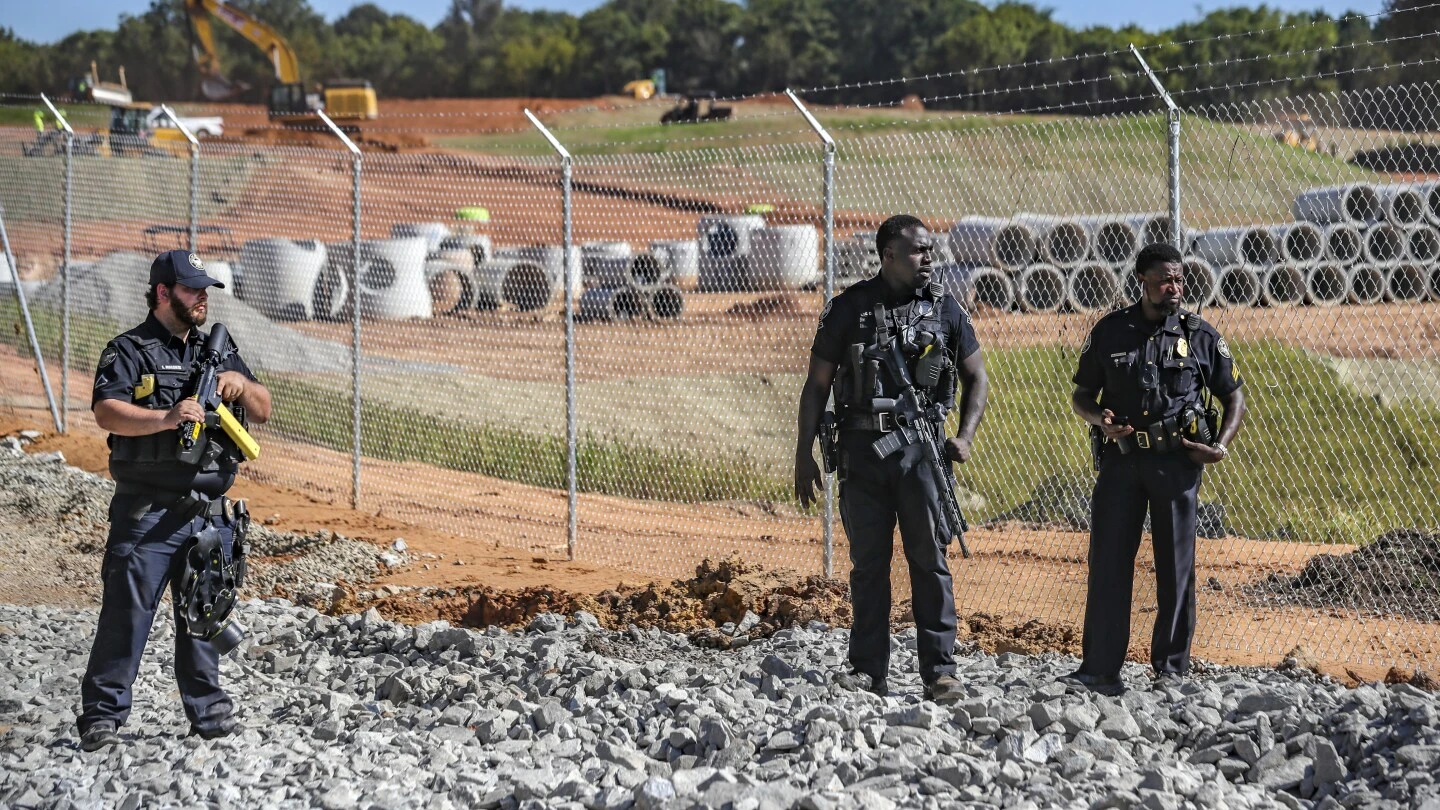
(354, 711)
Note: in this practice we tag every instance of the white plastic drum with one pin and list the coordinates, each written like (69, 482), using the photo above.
(392, 279)
(280, 276)
(784, 257)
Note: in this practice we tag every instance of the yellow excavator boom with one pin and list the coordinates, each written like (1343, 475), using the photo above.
(267, 39)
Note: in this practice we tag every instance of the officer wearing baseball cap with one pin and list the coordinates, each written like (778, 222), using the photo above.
(141, 396)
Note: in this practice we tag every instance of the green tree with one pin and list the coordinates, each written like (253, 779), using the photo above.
(788, 43)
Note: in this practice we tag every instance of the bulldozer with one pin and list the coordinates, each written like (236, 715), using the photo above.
(688, 110)
(346, 101)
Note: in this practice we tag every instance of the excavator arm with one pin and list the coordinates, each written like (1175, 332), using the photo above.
(267, 39)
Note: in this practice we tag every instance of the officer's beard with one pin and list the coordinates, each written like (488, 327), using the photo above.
(186, 315)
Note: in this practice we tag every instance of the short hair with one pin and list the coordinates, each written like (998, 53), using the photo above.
(152, 299)
(1156, 253)
(891, 229)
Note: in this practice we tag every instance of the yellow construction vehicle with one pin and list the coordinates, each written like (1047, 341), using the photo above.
(640, 89)
(1298, 131)
(346, 101)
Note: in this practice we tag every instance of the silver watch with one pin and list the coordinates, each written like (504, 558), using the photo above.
(1224, 453)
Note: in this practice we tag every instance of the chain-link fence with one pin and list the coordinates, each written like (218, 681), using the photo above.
(615, 341)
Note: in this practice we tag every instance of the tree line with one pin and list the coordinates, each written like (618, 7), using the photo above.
(483, 48)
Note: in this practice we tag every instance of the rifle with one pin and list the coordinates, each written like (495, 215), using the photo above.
(193, 434)
(915, 421)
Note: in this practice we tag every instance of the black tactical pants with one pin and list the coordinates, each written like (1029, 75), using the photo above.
(873, 494)
(140, 560)
(1168, 485)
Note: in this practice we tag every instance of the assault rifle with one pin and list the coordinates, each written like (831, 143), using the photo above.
(923, 421)
(193, 442)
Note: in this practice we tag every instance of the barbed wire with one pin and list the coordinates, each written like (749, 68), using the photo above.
(1099, 54)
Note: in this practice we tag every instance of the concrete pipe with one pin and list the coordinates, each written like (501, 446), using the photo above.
(681, 260)
(1200, 282)
(1239, 286)
(1155, 229)
(1041, 288)
(725, 251)
(1430, 192)
(280, 276)
(1422, 244)
(784, 257)
(525, 286)
(1355, 204)
(1113, 241)
(993, 289)
(667, 302)
(1344, 243)
(1406, 283)
(221, 271)
(1367, 284)
(1384, 245)
(1401, 204)
(605, 264)
(958, 281)
(646, 272)
(1300, 242)
(332, 300)
(552, 259)
(1061, 241)
(1092, 286)
(471, 249)
(451, 285)
(434, 233)
(855, 258)
(1130, 288)
(1226, 246)
(612, 304)
(1327, 284)
(391, 284)
(1432, 288)
(1282, 285)
(1004, 243)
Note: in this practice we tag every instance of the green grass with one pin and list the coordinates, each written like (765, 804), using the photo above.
(80, 116)
(1316, 461)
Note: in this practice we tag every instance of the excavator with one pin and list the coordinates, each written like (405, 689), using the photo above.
(346, 101)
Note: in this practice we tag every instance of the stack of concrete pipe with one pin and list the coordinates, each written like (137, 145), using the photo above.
(646, 285)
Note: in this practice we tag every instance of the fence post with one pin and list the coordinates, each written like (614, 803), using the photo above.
(64, 424)
(1173, 114)
(194, 171)
(572, 485)
(354, 308)
(29, 325)
(829, 525)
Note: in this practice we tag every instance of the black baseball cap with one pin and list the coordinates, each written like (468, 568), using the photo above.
(181, 267)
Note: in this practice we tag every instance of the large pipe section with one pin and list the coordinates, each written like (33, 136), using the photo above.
(1327, 284)
(1239, 286)
(1092, 286)
(1041, 288)
(1226, 246)
(1354, 204)
(1283, 285)
(1004, 243)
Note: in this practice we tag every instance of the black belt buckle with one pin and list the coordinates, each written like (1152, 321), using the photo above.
(1142, 439)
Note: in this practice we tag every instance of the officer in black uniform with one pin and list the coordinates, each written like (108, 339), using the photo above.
(875, 491)
(160, 502)
(1148, 365)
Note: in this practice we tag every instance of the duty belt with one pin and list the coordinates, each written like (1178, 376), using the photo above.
(171, 500)
(882, 422)
(1158, 437)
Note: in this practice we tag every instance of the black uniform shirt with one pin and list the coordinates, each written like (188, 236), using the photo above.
(849, 318)
(1123, 344)
(119, 372)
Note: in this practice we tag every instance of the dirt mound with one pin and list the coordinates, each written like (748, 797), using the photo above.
(1399, 573)
(767, 307)
(723, 602)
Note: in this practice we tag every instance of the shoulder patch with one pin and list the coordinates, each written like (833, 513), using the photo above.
(1090, 338)
(824, 311)
(108, 356)
(1223, 349)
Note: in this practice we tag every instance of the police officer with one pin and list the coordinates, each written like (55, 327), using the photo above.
(1147, 364)
(160, 501)
(877, 491)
